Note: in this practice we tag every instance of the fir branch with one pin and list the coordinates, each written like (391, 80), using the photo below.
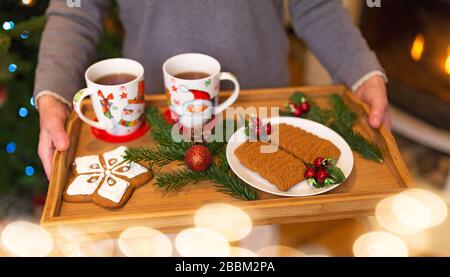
(175, 180)
(341, 112)
(162, 131)
(225, 180)
(230, 184)
(317, 114)
(357, 142)
(160, 155)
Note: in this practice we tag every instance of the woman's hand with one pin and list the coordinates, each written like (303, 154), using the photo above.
(53, 115)
(373, 92)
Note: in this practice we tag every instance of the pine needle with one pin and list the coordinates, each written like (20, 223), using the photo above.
(358, 143)
(226, 181)
(162, 131)
(159, 156)
(341, 112)
(175, 180)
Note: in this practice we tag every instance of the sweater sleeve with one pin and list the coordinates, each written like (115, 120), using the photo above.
(67, 47)
(329, 32)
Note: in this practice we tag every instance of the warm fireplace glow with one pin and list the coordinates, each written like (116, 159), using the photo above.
(418, 47)
(447, 61)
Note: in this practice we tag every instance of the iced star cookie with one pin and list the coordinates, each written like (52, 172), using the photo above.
(106, 180)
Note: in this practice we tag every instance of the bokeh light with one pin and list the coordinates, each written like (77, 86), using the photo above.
(24, 35)
(25, 239)
(32, 101)
(379, 244)
(86, 242)
(23, 112)
(241, 252)
(229, 221)
(143, 241)
(29, 170)
(279, 251)
(27, 2)
(435, 204)
(201, 242)
(8, 25)
(11, 147)
(12, 68)
(411, 211)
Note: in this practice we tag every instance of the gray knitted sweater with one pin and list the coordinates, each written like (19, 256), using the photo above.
(246, 36)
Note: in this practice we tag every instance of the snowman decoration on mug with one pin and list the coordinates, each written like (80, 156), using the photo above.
(131, 113)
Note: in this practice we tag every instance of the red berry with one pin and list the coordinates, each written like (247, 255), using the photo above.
(268, 128)
(298, 111)
(305, 107)
(321, 175)
(318, 162)
(310, 172)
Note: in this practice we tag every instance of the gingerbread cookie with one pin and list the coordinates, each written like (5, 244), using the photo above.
(108, 180)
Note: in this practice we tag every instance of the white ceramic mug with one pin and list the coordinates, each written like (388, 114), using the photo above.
(193, 101)
(118, 108)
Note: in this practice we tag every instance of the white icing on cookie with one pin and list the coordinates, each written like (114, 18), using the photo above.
(88, 164)
(129, 170)
(84, 184)
(114, 157)
(113, 188)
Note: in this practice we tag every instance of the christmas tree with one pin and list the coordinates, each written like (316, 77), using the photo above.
(21, 174)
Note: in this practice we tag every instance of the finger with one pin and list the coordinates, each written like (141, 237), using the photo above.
(377, 112)
(58, 134)
(45, 152)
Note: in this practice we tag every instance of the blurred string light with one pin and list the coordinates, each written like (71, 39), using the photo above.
(229, 221)
(25, 35)
(241, 252)
(32, 101)
(143, 241)
(379, 244)
(8, 25)
(11, 147)
(84, 242)
(23, 112)
(411, 211)
(417, 47)
(12, 68)
(29, 170)
(279, 251)
(25, 239)
(447, 61)
(27, 2)
(201, 242)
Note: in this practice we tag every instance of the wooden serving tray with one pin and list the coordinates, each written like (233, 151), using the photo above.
(170, 212)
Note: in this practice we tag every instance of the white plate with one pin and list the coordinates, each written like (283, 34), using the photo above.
(345, 161)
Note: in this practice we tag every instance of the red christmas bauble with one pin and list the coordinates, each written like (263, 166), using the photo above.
(198, 158)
